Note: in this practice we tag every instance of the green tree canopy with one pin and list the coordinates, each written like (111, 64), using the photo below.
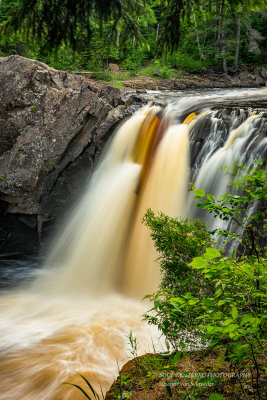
(52, 22)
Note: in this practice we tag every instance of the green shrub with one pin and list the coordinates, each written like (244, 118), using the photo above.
(234, 316)
(177, 242)
(131, 65)
(226, 305)
(246, 190)
(185, 61)
(102, 76)
(117, 84)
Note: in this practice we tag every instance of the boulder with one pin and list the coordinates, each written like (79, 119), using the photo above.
(114, 67)
(52, 127)
(157, 72)
(252, 80)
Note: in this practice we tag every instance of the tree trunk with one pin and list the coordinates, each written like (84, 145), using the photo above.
(157, 32)
(225, 68)
(201, 55)
(222, 39)
(237, 43)
(118, 35)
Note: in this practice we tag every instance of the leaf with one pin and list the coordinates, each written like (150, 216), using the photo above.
(246, 318)
(198, 262)
(168, 389)
(210, 197)
(90, 386)
(177, 300)
(220, 302)
(211, 253)
(199, 193)
(208, 302)
(176, 357)
(193, 302)
(212, 329)
(234, 312)
(227, 322)
(218, 293)
(230, 328)
(78, 387)
(216, 396)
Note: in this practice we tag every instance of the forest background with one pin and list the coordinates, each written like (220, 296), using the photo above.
(153, 37)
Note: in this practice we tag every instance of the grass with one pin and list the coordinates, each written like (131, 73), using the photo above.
(151, 70)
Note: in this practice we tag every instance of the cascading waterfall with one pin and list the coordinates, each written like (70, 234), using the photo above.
(237, 144)
(76, 315)
(146, 166)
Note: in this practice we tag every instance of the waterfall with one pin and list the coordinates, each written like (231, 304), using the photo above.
(242, 141)
(111, 250)
(75, 316)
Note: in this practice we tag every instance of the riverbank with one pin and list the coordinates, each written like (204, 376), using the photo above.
(181, 80)
(198, 374)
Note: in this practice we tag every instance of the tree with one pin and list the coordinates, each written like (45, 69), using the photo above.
(54, 22)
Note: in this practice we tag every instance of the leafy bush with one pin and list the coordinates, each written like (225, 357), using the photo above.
(134, 59)
(234, 316)
(177, 241)
(245, 206)
(225, 307)
(165, 71)
(131, 64)
(102, 76)
(185, 61)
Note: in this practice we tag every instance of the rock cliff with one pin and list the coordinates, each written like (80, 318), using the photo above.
(52, 127)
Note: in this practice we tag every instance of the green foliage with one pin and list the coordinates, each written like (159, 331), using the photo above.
(117, 84)
(134, 59)
(216, 396)
(177, 242)
(52, 24)
(226, 305)
(90, 34)
(133, 344)
(102, 76)
(234, 315)
(185, 61)
(164, 70)
(92, 390)
(252, 189)
(120, 393)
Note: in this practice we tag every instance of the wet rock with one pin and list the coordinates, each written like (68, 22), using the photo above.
(259, 81)
(245, 75)
(52, 126)
(252, 79)
(139, 91)
(263, 73)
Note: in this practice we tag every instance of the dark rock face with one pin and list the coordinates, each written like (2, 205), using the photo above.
(52, 127)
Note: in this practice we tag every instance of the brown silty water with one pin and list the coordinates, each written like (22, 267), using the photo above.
(75, 317)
